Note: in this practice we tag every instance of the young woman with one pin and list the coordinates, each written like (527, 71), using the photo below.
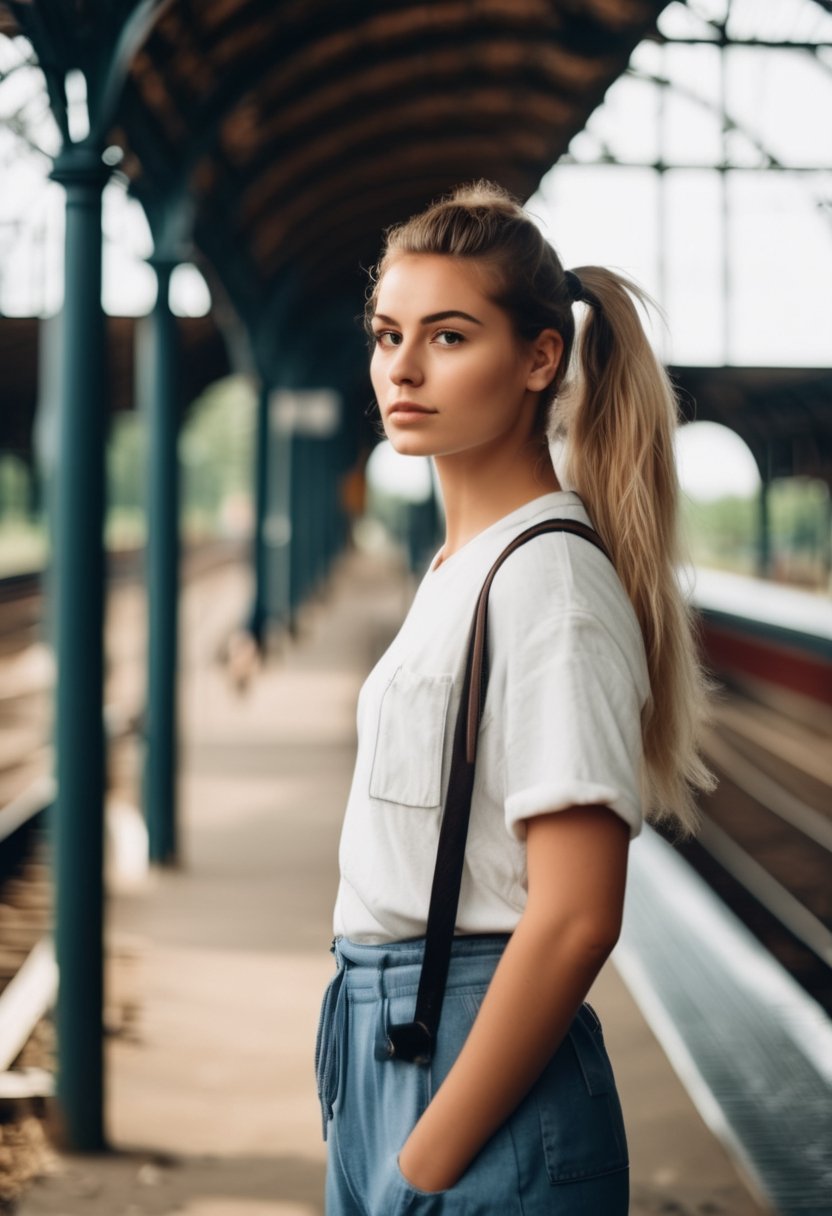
(590, 724)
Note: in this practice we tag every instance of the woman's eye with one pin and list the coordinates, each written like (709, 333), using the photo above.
(386, 337)
(449, 337)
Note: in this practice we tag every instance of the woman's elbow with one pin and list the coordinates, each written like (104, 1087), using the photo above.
(599, 936)
(577, 868)
(595, 936)
(589, 934)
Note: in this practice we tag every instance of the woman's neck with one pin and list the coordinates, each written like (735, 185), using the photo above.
(475, 496)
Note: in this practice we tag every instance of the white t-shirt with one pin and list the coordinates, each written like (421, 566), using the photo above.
(561, 725)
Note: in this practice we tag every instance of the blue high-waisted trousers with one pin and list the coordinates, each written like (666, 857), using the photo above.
(563, 1150)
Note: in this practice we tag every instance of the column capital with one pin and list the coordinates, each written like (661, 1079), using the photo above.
(80, 164)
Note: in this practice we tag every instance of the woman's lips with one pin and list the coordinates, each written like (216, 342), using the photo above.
(408, 409)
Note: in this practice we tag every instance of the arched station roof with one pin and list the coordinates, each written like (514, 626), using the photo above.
(303, 128)
(291, 133)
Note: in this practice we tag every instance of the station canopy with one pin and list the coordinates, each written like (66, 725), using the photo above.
(295, 131)
(280, 138)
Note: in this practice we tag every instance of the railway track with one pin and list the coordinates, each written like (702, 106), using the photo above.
(21, 600)
(27, 970)
(766, 841)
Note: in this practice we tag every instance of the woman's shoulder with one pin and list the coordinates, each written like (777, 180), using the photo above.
(563, 569)
(561, 585)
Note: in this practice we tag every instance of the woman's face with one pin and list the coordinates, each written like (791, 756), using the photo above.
(449, 373)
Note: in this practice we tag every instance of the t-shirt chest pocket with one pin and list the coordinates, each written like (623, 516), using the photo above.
(407, 765)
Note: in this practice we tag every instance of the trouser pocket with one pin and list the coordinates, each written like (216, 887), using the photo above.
(379, 1101)
(581, 1123)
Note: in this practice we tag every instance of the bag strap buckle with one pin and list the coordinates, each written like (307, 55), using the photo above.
(411, 1041)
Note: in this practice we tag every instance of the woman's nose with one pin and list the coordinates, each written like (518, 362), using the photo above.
(405, 367)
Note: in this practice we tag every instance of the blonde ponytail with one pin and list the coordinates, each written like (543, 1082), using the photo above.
(618, 419)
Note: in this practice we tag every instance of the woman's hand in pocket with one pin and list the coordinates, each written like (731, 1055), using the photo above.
(423, 1176)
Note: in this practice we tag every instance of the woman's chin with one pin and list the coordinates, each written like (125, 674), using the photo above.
(411, 445)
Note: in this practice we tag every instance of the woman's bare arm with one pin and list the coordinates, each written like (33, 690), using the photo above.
(577, 864)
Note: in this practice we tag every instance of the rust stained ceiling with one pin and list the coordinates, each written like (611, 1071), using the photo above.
(301, 129)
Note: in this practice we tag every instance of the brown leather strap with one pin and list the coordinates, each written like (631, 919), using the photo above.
(415, 1040)
(479, 671)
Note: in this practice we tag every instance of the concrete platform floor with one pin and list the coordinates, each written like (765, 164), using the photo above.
(216, 969)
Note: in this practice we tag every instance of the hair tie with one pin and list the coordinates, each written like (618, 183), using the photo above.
(574, 286)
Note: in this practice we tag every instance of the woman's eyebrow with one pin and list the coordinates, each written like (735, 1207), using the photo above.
(432, 318)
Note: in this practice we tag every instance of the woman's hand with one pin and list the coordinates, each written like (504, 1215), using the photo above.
(420, 1174)
(577, 864)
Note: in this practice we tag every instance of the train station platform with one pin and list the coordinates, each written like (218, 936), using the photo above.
(216, 969)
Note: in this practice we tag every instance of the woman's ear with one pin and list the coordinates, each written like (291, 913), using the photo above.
(546, 352)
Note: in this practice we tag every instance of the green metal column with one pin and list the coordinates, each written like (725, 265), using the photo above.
(763, 520)
(317, 514)
(78, 585)
(763, 532)
(298, 521)
(826, 540)
(311, 509)
(280, 514)
(260, 607)
(162, 406)
(329, 504)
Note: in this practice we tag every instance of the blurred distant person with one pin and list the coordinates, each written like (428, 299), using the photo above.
(590, 723)
(244, 649)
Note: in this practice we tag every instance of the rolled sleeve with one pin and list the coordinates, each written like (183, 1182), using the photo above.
(572, 716)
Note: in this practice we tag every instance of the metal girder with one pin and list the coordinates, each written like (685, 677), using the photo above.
(99, 41)
(240, 279)
(137, 19)
(768, 44)
(731, 124)
(662, 166)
